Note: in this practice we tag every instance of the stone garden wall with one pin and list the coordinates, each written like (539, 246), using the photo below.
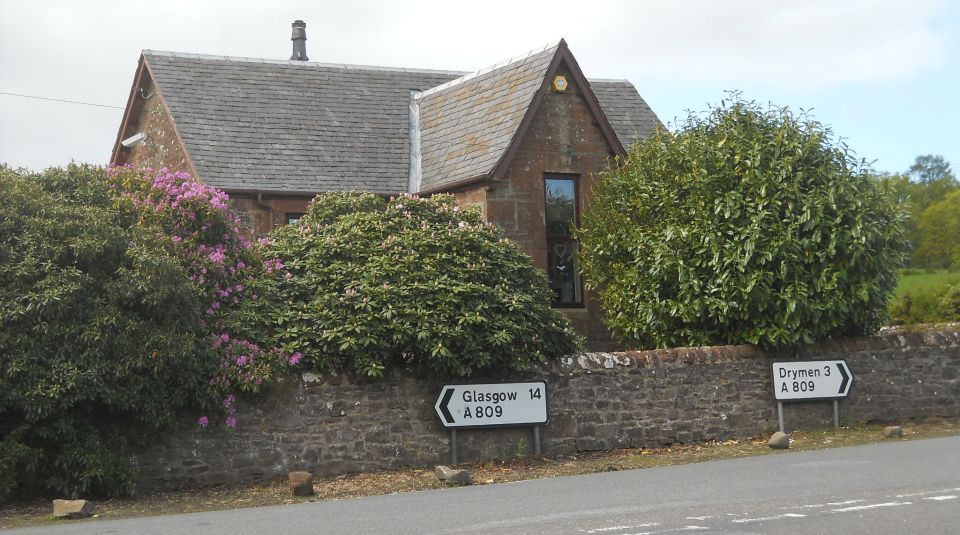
(598, 401)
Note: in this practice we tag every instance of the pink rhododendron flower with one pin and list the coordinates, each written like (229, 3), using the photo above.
(272, 264)
(206, 234)
(295, 358)
(217, 257)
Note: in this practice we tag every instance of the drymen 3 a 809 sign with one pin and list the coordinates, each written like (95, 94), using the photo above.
(812, 379)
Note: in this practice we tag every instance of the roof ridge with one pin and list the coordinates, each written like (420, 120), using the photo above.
(475, 74)
(347, 66)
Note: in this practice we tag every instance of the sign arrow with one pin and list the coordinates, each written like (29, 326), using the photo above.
(444, 404)
(846, 379)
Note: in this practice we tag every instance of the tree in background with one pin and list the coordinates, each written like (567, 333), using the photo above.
(939, 231)
(928, 181)
(747, 225)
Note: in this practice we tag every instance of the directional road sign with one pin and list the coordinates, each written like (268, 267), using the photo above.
(488, 405)
(812, 379)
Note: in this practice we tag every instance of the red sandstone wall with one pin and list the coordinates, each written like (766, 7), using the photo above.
(269, 212)
(475, 197)
(563, 139)
(161, 148)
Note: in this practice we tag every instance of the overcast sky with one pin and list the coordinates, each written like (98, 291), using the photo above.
(884, 74)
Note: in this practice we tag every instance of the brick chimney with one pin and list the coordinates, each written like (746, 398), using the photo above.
(299, 39)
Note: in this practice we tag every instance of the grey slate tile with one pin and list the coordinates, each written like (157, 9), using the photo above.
(303, 126)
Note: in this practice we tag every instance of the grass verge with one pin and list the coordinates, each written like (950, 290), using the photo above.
(912, 281)
(36, 514)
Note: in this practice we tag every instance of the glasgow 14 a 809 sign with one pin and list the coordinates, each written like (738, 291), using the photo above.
(812, 379)
(488, 405)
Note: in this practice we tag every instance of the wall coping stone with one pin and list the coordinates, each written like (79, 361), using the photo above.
(946, 335)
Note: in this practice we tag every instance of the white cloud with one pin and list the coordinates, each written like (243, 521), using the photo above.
(88, 50)
(814, 44)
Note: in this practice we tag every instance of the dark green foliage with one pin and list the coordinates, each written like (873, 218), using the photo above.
(370, 284)
(749, 225)
(100, 335)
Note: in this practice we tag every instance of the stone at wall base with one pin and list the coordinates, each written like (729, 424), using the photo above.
(779, 441)
(72, 509)
(893, 431)
(301, 483)
(451, 476)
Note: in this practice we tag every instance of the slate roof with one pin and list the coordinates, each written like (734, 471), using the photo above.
(467, 125)
(295, 126)
(292, 125)
(626, 111)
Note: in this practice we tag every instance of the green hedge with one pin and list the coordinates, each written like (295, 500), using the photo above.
(116, 291)
(747, 225)
(100, 335)
(367, 284)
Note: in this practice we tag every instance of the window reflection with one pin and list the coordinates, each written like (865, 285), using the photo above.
(561, 216)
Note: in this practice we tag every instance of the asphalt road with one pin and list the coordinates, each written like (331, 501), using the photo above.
(893, 487)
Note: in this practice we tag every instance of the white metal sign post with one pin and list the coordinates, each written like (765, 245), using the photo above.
(811, 380)
(492, 405)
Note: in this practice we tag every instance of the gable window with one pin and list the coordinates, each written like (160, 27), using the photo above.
(561, 210)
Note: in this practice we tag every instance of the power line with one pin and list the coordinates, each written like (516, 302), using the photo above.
(61, 100)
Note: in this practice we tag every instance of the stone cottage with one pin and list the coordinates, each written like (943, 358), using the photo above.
(521, 140)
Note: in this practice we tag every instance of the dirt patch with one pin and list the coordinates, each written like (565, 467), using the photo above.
(484, 473)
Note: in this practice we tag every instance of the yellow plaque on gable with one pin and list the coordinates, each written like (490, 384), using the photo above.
(560, 83)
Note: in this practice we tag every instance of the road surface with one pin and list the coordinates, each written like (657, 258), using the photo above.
(893, 487)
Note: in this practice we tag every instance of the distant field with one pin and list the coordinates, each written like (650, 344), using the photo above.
(917, 281)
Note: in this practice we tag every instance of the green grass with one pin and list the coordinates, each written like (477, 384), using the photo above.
(913, 281)
(919, 297)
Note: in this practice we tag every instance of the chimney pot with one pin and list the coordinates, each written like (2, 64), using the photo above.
(299, 39)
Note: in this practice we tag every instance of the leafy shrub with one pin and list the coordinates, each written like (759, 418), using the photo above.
(949, 305)
(934, 304)
(367, 284)
(916, 307)
(115, 288)
(748, 225)
(921, 297)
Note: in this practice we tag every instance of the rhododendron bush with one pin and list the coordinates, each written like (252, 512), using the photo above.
(364, 284)
(117, 288)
